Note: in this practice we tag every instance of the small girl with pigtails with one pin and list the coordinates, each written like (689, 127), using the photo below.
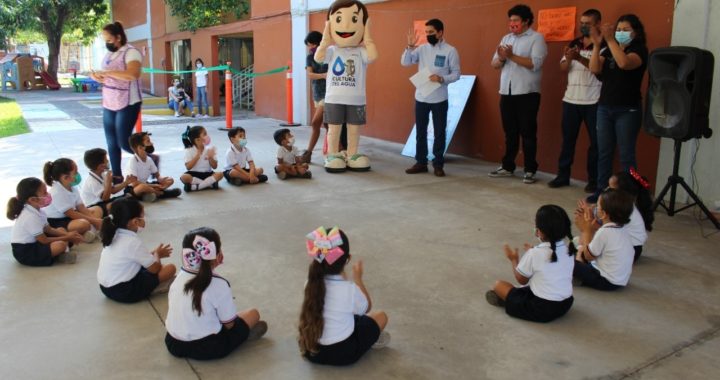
(202, 321)
(200, 160)
(546, 269)
(336, 326)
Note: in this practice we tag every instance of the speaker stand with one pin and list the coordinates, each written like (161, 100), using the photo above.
(673, 181)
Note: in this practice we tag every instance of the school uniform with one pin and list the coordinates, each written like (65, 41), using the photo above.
(637, 232)
(62, 201)
(233, 157)
(91, 193)
(548, 294)
(288, 155)
(613, 251)
(122, 272)
(142, 170)
(202, 168)
(202, 337)
(347, 332)
(26, 249)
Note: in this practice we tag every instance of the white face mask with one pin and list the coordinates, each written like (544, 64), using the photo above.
(140, 229)
(199, 65)
(291, 141)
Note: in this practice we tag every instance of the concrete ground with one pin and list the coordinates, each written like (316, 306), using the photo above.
(431, 247)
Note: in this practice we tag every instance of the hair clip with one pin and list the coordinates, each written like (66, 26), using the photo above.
(325, 245)
(203, 249)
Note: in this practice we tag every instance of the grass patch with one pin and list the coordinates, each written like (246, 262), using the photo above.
(11, 120)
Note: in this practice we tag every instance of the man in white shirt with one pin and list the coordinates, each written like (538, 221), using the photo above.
(520, 56)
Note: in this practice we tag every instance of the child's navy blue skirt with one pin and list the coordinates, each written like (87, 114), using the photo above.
(348, 351)
(59, 222)
(200, 175)
(137, 289)
(33, 254)
(213, 346)
(522, 303)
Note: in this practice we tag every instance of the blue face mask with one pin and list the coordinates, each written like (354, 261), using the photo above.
(623, 38)
(76, 181)
(242, 143)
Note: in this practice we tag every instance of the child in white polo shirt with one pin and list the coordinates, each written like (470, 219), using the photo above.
(128, 272)
(34, 242)
(288, 157)
(200, 161)
(67, 209)
(98, 189)
(141, 167)
(239, 165)
(202, 320)
(545, 269)
(341, 330)
(604, 261)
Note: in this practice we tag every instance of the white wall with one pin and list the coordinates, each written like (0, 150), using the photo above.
(696, 24)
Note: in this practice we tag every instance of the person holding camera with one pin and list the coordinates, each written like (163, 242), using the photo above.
(179, 100)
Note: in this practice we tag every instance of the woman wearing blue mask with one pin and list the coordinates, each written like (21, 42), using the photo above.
(621, 67)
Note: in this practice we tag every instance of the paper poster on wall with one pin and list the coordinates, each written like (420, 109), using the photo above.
(458, 94)
(419, 27)
(557, 24)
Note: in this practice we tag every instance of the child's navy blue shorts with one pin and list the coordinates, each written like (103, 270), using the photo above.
(348, 351)
(522, 303)
(137, 289)
(59, 222)
(33, 254)
(199, 175)
(590, 276)
(213, 346)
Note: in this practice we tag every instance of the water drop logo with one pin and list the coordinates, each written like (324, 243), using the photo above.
(338, 67)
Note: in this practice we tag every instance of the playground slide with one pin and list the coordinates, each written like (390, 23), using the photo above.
(49, 81)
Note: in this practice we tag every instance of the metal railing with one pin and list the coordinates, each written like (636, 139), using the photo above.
(243, 89)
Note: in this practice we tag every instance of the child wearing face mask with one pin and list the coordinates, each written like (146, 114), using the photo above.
(98, 189)
(545, 271)
(141, 167)
(67, 209)
(201, 82)
(290, 163)
(178, 99)
(34, 242)
(128, 272)
(239, 165)
(200, 160)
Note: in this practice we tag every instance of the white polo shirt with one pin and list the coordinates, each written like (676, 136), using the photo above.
(203, 164)
(62, 200)
(636, 228)
(343, 300)
(28, 226)
(613, 253)
(548, 280)
(288, 156)
(237, 157)
(142, 170)
(184, 323)
(123, 258)
(92, 189)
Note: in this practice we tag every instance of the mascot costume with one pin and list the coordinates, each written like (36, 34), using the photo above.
(347, 26)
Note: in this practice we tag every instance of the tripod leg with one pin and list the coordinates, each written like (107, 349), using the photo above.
(659, 199)
(700, 204)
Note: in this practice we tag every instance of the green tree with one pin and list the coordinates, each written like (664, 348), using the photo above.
(199, 14)
(54, 18)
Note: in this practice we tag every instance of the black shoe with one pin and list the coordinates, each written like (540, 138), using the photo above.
(262, 178)
(493, 299)
(591, 187)
(559, 182)
(170, 193)
(187, 187)
(307, 174)
(215, 185)
(417, 168)
(439, 172)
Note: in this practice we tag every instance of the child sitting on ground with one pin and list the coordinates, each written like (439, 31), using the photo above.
(200, 160)
(604, 261)
(67, 209)
(239, 165)
(98, 188)
(128, 272)
(546, 269)
(141, 167)
(289, 160)
(336, 326)
(34, 242)
(202, 321)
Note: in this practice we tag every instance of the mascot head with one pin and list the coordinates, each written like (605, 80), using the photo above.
(347, 20)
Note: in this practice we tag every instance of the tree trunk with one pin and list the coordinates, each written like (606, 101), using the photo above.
(53, 54)
(52, 24)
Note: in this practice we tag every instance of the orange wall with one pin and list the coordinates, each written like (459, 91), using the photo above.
(130, 12)
(260, 8)
(475, 29)
(272, 47)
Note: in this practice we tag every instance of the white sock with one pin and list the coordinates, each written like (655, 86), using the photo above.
(195, 181)
(207, 182)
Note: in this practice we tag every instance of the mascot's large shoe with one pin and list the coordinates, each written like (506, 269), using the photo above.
(358, 163)
(335, 163)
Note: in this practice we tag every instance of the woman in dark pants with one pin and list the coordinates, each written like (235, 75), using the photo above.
(122, 98)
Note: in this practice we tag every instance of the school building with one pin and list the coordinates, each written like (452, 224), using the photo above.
(272, 35)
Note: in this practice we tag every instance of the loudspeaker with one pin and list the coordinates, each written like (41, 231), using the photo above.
(678, 99)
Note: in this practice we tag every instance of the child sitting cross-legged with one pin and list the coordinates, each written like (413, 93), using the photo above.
(200, 161)
(239, 165)
(141, 167)
(289, 159)
(98, 188)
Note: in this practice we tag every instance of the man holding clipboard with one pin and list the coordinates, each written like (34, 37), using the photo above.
(438, 66)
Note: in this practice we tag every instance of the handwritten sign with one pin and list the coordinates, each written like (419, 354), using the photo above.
(557, 24)
(419, 27)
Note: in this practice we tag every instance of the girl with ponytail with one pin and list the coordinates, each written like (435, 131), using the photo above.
(34, 242)
(202, 321)
(128, 272)
(546, 269)
(335, 326)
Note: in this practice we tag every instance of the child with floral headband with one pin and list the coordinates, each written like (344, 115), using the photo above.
(336, 327)
(202, 321)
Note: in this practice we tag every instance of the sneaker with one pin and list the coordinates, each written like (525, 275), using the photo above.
(529, 178)
(307, 156)
(417, 168)
(500, 172)
(307, 174)
(257, 331)
(205, 116)
(236, 181)
(282, 175)
(163, 287)
(170, 193)
(493, 299)
(149, 197)
(558, 182)
(67, 257)
(177, 114)
(89, 236)
(439, 172)
(383, 340)
(591, 187)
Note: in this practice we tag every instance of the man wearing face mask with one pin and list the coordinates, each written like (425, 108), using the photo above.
(579, 103)
(520, 56)
(443, 62)
(178, 99)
